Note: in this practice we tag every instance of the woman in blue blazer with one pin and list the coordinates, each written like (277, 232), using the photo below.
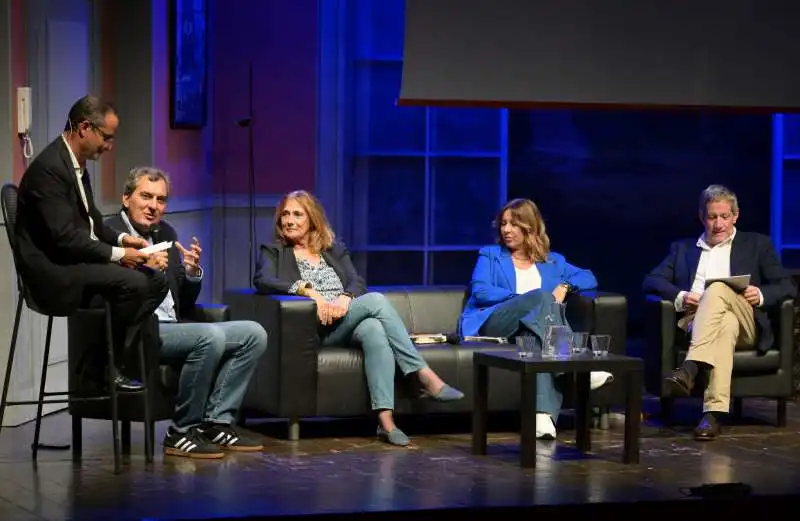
(512, 285)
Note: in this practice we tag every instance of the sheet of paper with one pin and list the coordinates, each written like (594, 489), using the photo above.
(161, 246)
(737, 283)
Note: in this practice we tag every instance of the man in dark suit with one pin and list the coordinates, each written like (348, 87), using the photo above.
(217, 360)
(67, 256)
(718, 318)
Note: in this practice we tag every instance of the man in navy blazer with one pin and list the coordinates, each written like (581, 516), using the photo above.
(216, 360)
(718, 318)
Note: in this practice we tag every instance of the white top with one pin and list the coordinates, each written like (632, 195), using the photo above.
(528, 279)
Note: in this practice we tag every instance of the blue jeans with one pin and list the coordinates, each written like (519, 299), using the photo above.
(523, 314)
(217, 360)
(374, 324)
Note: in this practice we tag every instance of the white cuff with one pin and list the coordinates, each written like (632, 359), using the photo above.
(679, 300)
(117, 253)
(119, 238)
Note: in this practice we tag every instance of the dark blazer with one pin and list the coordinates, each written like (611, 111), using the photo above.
(751, 253)
(52, 231)
(277, 270)
(184, 290)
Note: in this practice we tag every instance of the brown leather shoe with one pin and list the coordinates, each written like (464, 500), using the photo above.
(708, 429)
(679, 383)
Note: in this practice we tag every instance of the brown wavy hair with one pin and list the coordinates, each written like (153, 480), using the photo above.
(526, 215)
(320, 233)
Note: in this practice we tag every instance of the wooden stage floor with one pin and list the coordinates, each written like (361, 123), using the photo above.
(340, 468)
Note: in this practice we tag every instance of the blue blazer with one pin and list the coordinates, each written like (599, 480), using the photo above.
(751, 253)
(494, 281)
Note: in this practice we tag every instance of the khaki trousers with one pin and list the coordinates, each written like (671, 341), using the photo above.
(722, 323)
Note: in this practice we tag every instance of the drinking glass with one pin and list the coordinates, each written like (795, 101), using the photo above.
(578, 343)
(556, 341)
(527, 345)
(600, 344)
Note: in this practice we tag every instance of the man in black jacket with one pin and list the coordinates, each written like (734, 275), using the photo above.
(67, 257)
(217, 360)
(719, 318)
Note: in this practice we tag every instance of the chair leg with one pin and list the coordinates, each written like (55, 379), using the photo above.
(10, 363)
(125, 437)
(152, 429)
(294, 428)
(781, 412)
(113, 389)
(667, 406)
(77, 438)
(42, 383)
(148, 419)
(738, 408)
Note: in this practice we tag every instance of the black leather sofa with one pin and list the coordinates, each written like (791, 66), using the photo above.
(298, 378)
(767, 375)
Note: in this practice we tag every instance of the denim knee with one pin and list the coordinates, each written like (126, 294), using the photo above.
(374, 300)
(211, 341)
(257, 336)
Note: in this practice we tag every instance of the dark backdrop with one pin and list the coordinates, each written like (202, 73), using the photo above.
(615, 187)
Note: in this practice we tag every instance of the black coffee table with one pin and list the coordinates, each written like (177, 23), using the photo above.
(623, 367)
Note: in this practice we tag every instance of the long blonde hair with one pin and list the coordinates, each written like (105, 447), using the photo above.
(320, 233)
(526, 215)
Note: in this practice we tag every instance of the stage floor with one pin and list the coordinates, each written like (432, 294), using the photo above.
(341, 468)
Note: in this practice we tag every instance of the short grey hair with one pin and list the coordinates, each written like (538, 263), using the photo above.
(716, 193)
(150, 172)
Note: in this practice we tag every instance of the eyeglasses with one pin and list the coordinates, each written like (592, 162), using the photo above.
(106, 137)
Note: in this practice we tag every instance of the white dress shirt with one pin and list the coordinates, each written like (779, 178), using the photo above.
(117, 252)
(714, 263)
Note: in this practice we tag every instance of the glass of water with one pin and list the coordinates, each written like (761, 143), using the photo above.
(578, 343)
(526, 344)
(556, 341)
(600, 344)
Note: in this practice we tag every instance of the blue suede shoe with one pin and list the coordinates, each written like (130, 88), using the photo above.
(445, 394)
(393, 437)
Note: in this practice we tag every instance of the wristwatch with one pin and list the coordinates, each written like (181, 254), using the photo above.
(569, 287)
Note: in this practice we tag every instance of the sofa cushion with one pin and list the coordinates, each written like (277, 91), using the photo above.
(427, 309)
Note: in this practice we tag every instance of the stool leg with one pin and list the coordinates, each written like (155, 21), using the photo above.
(45, 360)
(114, 395)
(148, 436)
(77, 438)
(10, 363)
(126, 437)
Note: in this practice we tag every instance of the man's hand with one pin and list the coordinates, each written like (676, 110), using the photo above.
(691, 300)
(752, 295)
(158, 261)
(560, 293)
(129, 241)
(133, 258)
(191, 257)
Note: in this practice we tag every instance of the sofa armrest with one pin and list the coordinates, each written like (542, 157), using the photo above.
(209, 313)
(784, 337)
(600, 313)
(285, 380)
(660, 321)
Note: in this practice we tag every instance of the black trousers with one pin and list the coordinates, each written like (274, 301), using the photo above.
(133, 294)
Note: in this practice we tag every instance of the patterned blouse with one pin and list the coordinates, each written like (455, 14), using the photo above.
(323, 279)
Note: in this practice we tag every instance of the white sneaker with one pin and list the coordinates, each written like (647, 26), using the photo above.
(545, 428)
(598, 379)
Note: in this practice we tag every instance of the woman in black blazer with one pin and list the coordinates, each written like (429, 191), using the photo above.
(307, 261)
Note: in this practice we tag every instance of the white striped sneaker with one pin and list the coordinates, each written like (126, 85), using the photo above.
(225, 437)
(190, 444)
